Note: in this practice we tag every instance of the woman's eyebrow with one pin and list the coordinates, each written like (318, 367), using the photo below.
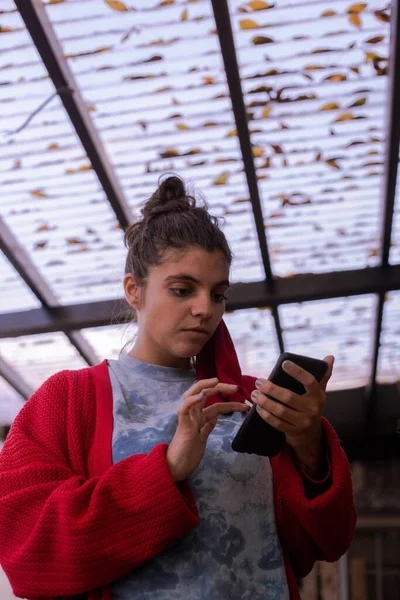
(191, 279)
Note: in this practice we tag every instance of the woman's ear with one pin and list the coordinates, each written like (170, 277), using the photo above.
(132, 291)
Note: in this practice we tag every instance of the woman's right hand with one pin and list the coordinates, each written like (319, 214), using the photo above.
(195, 423)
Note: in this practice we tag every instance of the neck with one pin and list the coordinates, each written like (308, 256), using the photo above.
(157, 356)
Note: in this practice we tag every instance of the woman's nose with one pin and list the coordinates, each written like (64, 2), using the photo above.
(203, 307)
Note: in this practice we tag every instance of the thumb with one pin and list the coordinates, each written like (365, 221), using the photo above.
(324, 381)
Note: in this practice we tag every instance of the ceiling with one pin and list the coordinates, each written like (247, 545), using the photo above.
(282, 115)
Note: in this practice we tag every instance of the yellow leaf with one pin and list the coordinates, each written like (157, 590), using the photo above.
(332, 163)
(91, 108)
(56, 1)
(336, 77)
(38, 194)
(257, 151)
(328, 13)
(116, 5)
(182, 126)
(371, 56)
(175, 102)
(345, 117)
(382, 16)
(359, 102)
(69, 171)
(376, 40)
(266, 112)
(208, 80)
(248, 24)
(313, 68)
(222, 179)
(83, 168)
(261, 39)
(5, 30)
(166, 2)
(355, 20)
(231, 133)
(42, 228)
(184, 15)
(170, 153)
(258, 5)
(355, 9)
(73, 241)
(330, 106)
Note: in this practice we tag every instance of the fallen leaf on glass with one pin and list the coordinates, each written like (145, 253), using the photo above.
(117, 5)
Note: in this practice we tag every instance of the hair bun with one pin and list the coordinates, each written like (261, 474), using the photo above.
(169, 197)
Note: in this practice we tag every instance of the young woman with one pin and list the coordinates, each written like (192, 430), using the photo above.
(119, 482)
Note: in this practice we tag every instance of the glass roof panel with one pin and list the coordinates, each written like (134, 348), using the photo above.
(343, 327)
(51, 199)
(314, 76)
(10, 403)
(15, 294)
(155, 82)
(37, 357)
(389, 352)
(253, 333)
(394, 255)
(108, 341)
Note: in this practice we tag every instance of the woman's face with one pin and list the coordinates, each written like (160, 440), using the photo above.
(180, 307)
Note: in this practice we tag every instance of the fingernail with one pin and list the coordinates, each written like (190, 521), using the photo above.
(254, 394)
(258, 383)
(288, 365)
(248, 403)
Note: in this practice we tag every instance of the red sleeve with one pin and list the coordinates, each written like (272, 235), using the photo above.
(63, 533)
(316, 527)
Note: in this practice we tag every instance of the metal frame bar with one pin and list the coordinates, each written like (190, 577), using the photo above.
(49, 48)
(227, 43)
(389, 188)
(300, 288)
(16, 381)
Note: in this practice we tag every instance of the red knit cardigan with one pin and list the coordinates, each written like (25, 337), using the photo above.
(71, 522)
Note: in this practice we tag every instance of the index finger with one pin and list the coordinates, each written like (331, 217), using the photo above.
(306, 378)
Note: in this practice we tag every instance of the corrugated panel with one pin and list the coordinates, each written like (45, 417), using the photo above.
(154, 78)
(389, 352)
(343, 327)
(394, 255)
(109, 341)
(10, 403)
(37, 357)
(314, 75)
(51, 199)
(15, 294)
(254, 336)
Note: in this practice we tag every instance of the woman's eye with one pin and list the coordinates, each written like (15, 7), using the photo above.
(220, 297)
(181, 292)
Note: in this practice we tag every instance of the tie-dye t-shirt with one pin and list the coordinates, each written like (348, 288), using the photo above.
(234, 553)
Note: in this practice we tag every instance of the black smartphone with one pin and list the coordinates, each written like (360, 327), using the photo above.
(255, 436)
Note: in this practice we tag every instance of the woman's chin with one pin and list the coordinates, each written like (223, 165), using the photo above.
(188, 350)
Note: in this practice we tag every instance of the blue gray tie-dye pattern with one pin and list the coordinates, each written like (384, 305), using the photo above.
(234, 553)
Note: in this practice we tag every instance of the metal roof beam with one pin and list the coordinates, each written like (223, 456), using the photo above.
(17, 382)
(300, 288)
(43, 35)
(389, 191)
(225, 34)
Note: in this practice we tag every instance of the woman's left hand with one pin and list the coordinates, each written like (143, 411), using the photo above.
(298, 417)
